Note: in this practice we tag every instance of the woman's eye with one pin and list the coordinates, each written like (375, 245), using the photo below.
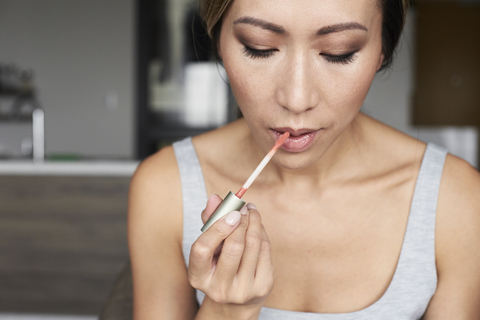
(342, 59)
(255, 53)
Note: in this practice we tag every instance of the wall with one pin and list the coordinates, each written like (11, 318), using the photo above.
(390, 101)
(390, 95)
(82, 53)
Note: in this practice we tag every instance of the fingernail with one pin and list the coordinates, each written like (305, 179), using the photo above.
(208, 200)
(251, 206)
(232, 218)
(244, 210)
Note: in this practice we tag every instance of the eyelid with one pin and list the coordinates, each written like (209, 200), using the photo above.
(257, 53)
(344, 59)
(340, 58)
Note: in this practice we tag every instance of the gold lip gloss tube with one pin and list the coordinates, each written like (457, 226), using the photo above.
(229, 204)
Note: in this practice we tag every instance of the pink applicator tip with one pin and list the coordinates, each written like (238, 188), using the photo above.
(241, 192)
(280, 141)
(262, 164)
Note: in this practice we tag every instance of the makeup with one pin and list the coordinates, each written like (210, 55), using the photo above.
(299, 140)
(234, 202)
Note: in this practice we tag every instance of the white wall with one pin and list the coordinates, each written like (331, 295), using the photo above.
(390, 95)
(82, 52)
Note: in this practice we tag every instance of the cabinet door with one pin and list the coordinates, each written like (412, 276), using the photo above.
(447, 66)
(62, 242)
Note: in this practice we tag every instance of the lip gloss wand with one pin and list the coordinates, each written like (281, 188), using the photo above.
(234, 202)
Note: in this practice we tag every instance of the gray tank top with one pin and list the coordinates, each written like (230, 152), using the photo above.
(415, 278)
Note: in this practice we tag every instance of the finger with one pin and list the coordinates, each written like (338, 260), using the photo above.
(253, 243)
(232, 250)
(203, 249)
(264, 275)
(212, 204)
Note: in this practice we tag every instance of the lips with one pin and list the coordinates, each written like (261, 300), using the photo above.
(299, 140)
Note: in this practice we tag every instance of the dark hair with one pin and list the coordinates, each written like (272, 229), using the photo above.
(393, 20)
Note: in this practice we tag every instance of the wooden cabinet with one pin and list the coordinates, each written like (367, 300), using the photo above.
(447, 65)
(62, 242)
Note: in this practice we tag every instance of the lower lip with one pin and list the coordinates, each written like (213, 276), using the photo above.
(297, 143)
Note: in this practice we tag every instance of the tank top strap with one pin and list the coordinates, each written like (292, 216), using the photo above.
(420, 233)
(194, 193)
(416, 268)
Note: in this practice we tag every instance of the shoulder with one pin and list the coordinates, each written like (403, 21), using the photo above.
(457, 241)
(155, 230)
(155, 193)
(458, 213)
(157, 174)
(460, 179)
(459, 195)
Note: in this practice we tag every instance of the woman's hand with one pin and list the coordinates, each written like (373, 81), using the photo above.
(231, 263)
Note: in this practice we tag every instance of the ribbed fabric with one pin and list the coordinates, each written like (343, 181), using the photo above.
(415, 278)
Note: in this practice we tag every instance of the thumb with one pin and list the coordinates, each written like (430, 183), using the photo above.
(212, 204)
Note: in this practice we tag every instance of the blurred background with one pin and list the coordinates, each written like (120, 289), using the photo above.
(88, 88)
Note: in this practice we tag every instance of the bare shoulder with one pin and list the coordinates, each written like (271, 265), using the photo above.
(158, 170)
(156, 179)
(458, 213)
(155, 200)
(457, 239)
(460, 184)
(155, 229)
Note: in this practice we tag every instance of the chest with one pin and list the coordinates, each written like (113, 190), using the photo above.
(333, 255)
(336, 249)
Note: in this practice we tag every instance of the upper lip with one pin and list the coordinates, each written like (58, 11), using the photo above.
(294, 132)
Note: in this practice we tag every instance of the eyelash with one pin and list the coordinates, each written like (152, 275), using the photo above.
(254, 53)
(340, 59)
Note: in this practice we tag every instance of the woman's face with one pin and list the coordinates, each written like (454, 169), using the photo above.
(303, 66)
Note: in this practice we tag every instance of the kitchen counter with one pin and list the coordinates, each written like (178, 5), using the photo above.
(107, 168)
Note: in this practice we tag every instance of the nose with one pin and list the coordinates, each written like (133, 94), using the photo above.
(298, 90)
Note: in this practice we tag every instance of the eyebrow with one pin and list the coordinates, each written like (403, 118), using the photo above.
(280, 30)
(341, 27)
(261, 23)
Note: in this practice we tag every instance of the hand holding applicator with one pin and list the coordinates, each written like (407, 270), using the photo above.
(233, 202)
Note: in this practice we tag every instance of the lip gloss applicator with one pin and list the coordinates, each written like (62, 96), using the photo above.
(234, 202)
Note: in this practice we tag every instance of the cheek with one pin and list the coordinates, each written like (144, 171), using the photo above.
(249, 87)
(343, 95)
(359, 86)
(353, 82)
(350, 89)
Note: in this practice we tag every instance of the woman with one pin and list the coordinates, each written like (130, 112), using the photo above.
(350, 220)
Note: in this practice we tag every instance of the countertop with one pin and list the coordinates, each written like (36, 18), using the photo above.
(120, 168)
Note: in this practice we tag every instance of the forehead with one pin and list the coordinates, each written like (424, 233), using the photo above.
(309, 14)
